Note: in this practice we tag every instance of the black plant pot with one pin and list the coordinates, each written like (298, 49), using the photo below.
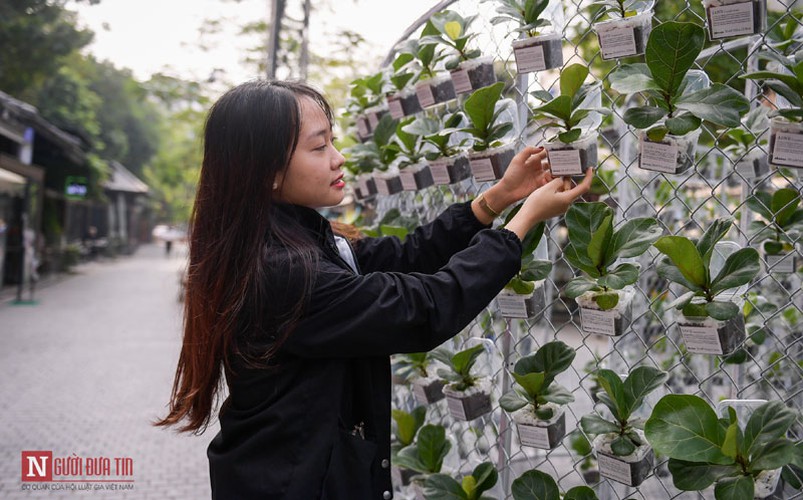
(450, 170)
(621, 471)
(387, 185)
(786, 143)
(709, 336)
(624, 37)
(613, 322)
(538, 53)
(514, 305)
(434, 91)
(469, 407)
(673, 155)
(490, 165)
(574, 158)
(428, 391)
(735, 19)
(544, 437)
(753, 166)
(473, 74)
(364, 131)
(366, 187)
(415, 177)
(781, 263)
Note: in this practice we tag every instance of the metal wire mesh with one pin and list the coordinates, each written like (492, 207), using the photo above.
(683, 204)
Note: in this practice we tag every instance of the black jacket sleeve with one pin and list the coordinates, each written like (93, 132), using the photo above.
(379, 314)
(426, 249)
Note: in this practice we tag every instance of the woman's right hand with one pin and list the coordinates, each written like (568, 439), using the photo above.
(548, 201)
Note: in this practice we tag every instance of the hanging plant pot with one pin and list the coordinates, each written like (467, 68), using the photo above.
(415, 177)
(630, 470)
(490, 165)
(710, 336)
(428, 390)
(753, 165)
(374, 114)
(472, 403)
(573, 158)
(364, 130)
(387, 183)
(403, 103)
(473, 74)
(766, 482)
(538, 53)
(366, 187)
(781, 262)
(727, 18)
(673, 155)
(450, 170)
(786, 143)
(624, 37)
(613, 322)
(516, 305)
(437, 90)
(538, 433)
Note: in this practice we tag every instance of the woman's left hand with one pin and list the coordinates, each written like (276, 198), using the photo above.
(525, 174)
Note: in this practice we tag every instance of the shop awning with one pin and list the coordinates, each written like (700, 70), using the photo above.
(11, 183)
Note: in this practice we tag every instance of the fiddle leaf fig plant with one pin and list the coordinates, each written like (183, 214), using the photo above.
(413, 364)
(484, 108)
(537, 485)
(525, 13)
(427, 454)
(619, 9)
(424, 51)
(400, 76)
(787, 82)
(532, 269)
(409, 147)
(740, 140)
(783, 219)
(453, 33)
(535, 376)
(594, 246)
(705, 450)
(407, 425)
(566, 112)
(688, 264)
(438, 133)
(443, 487)
(671, 51)
(459, 366)
(623, 399)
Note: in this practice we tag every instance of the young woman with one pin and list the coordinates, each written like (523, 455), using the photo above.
(301, 321)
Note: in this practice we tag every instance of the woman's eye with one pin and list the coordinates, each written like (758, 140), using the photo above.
(320, 148)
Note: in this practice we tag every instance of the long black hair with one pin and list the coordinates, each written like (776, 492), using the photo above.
(251, 133)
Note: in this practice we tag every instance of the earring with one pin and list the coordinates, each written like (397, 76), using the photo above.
(275, 186)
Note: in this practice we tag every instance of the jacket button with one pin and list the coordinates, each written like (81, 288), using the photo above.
(385, 463)
(387, 495)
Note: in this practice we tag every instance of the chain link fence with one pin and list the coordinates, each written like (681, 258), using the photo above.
(768, 365)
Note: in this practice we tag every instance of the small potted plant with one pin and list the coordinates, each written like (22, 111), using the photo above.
(671, 119)
(786, 126)
(361, 159)
(742, 144)
(382, 152)
(430, 88)
(405, 428)
(489, 157)
(742, 461)
(447, 160)
(570, 144)
(471, 487)
(467, 396)
(426, 455)
(710, 322)
(627, 29)
(727, 18)
(414, 171)
(537, 402)
(781, 228)
(605, 294)
(535, 51)
(581, 446)
(523, 296)
(365, 104)
(537, 485)
(623, 453)
(402, 100)
(414, 367)
(469, 71)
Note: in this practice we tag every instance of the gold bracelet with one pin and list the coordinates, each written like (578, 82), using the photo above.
(484, 205)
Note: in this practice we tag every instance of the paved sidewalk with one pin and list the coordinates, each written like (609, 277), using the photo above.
(83, 372)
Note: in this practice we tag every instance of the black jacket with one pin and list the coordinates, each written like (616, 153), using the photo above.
(295, 432)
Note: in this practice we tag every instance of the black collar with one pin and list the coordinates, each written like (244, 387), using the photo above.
(310, 219)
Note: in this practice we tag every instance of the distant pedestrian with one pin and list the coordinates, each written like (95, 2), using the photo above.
(168, 241)
(301, 320)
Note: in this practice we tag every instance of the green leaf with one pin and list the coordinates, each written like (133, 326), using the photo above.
(594, 424)
(579, 286)
(671, 51)
(532, 382)
(443, 487)
(685, 427)
(721, 311)
(643, 117)
(735, 488)
(580, 260)
(667, 270)
(536, 270)
(535, 485)
(512, 401)
(641, 381)
(432, 446)
(486, 477)
(606, 300)
(453, 29)
(633, 238)
(557, 394)
(767, 423)
(614, 387)
(719, 104)
(715, 232)
(624, 274)
(681, 302)
(740, 267)
(559, 107)
(773, 455)
(730, 446)
(481, 104)
(542, 95)
(464, 360)
(633, 78)
(696, 476)
(623, 446)
(600, 239)
(583, 220)
(580, 493)
(570, 136)
(572, 78)
(684, 255)
(551, 359)
(683, 124)
(784, 203)
(531, 240)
